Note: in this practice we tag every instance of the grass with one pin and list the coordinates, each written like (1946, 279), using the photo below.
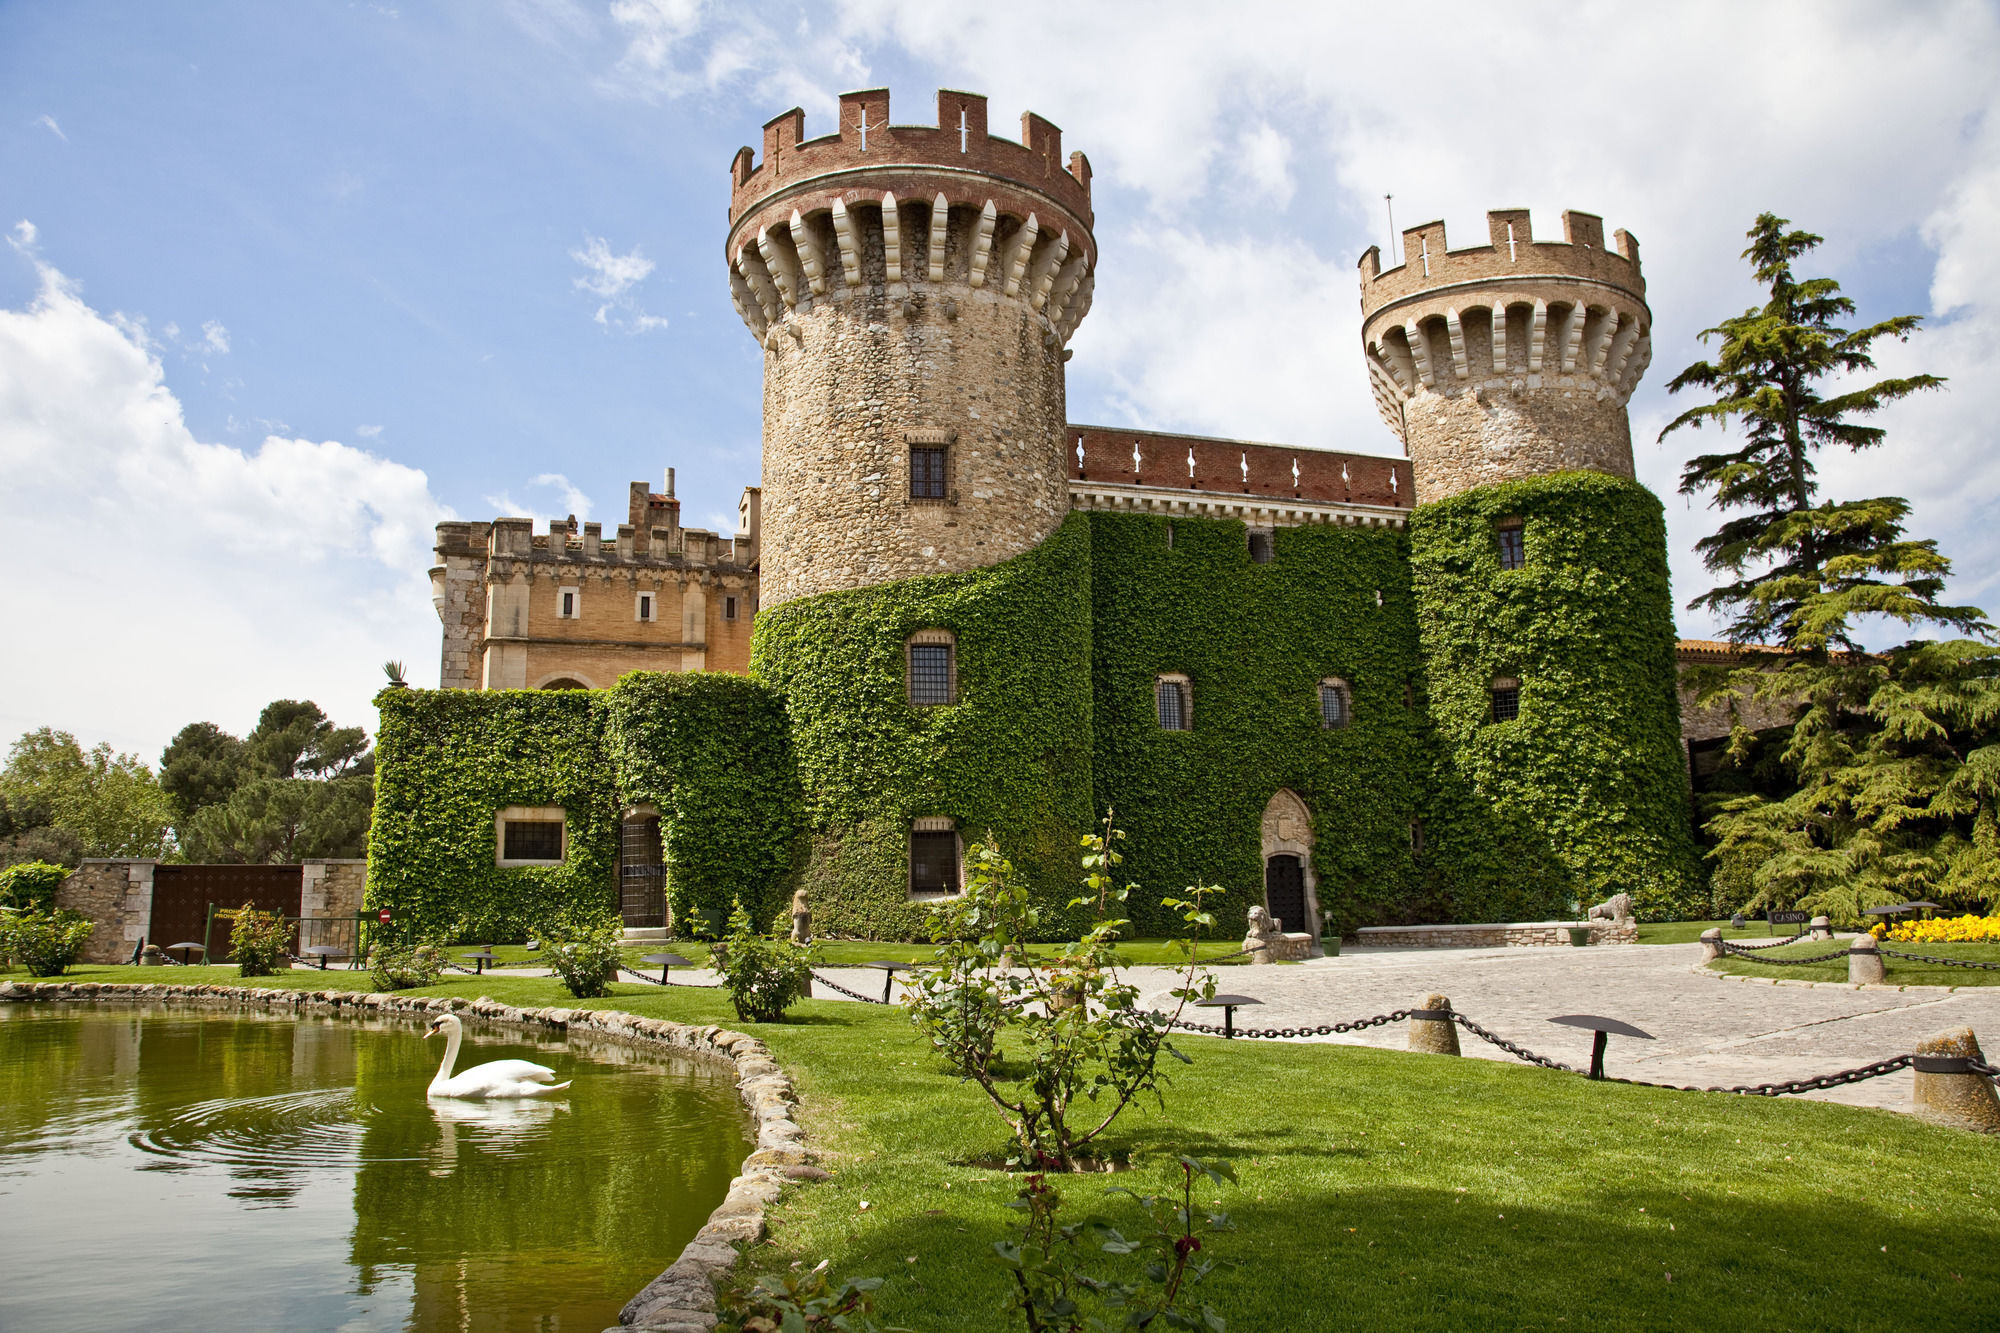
(1900, 972)
(1380, 1189)
(839, 953)
(1688, 932)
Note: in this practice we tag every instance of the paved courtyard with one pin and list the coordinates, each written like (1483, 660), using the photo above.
(1709, 1029)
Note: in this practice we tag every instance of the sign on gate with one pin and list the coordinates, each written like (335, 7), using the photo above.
(384, 916)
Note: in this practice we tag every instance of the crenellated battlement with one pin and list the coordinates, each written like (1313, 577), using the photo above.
(895, 210)
(1507, 359)
(866, 141)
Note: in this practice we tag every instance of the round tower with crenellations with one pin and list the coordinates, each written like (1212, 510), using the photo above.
(913, 288)
(1511, 359)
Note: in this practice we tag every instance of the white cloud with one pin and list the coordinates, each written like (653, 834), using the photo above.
(560, 498)
(368, 432)
(1264, 158)
(214, 338)
(612, 276)
(48, 123)
(182, 580)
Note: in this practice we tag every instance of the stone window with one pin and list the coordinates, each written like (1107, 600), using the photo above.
(931, 658)
(569, 603)
(729, 608)
(647, 608)
(1173, 702)
(1336, 704)
(1506, 698)
(530, 835)
(934, 856)
(928, 478)
(1260, 546)
(1513, 549)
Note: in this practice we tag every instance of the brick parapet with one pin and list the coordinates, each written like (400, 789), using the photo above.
(1493, 935)
(1219, 466)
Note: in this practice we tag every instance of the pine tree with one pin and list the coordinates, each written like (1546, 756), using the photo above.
(1894, 753)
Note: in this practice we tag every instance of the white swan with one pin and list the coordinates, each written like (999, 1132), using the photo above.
(497, 1078)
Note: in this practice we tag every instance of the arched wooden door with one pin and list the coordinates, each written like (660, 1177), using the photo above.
(1285, 892)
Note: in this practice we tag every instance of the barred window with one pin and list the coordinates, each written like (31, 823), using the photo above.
(1336, 705)
(927, 472)
(1172, 702)
(1506, 699)
(933, 668)
(933, 856)
(529, 835)
(1513, 550)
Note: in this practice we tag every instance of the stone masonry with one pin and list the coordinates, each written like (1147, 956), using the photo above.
(118, 897)
(1508, 360)
(912, 287)
(1513, 935)
(330, 888)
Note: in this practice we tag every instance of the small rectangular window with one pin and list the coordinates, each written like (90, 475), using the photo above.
(933, 861)
(566, 603)
(1170, 700)
(1260, 547)
(930, 673)
(645, 606)
(533, 840)
(729, 608)
(1336, 707)
(1506, 700)
(1513, 551)
(927, 473)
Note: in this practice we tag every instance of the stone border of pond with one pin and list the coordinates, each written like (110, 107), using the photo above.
(682, 1298)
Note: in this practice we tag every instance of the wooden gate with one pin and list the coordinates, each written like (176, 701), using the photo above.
(182, 894)
(1285, 892)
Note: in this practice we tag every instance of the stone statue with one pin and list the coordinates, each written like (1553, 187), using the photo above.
(1265, 943)
(1616, 909)
(802, 919)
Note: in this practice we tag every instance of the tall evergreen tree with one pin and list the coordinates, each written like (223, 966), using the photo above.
(1894, 754)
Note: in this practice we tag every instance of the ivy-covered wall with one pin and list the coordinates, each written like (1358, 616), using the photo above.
(1255, 641)
(1012, 757)
(713, 754)
(446, 762)
(1585, 793)
(710, 752)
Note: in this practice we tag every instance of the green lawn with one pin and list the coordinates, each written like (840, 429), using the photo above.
(1900, 972)
(1383, 1190)
(1687, 932)
(839, 953)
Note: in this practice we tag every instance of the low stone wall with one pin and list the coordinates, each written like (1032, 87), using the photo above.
(682, 1298)
(1493, 935)
(118, 897)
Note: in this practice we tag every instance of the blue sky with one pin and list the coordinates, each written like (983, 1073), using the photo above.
(288, 283)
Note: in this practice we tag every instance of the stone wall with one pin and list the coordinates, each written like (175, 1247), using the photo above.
(118, 897)
(1492, 935)
(329, 888)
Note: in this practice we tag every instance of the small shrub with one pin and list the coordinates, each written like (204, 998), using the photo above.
(46, 943)
(404, 966)
(808, 1301)
(31, 885)
(586, 959)
(261, 941)
(763, 975)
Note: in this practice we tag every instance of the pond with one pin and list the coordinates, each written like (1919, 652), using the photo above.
(215, 1169)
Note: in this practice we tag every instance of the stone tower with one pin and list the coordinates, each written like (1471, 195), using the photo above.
(1511, 359)
(913, 288)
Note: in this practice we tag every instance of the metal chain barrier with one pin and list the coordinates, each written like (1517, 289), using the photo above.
(651, 980)
(1981, 1067)
(1942, 962)
(1518, 1052)
(1323, 1030)
(1734, 951)
(1815, 1084)
(852, 995)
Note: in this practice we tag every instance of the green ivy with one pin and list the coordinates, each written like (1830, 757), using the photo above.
(1255, 641)
(446, 762)
(713, 754)
(1011, 758)
(1585, 793)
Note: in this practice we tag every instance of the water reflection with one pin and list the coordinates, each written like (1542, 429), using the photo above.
(167, 1145)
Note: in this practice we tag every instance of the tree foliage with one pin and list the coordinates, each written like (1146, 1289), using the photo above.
(1892, 758)
(296, 787)
(108, 804)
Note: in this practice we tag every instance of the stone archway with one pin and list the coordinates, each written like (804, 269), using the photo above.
(1288, 867)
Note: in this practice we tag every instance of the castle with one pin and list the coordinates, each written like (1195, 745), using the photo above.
(1353, 687)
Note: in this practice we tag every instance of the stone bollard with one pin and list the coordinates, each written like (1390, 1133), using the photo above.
(1822, 929)
(1711, 944)
(1864, 962)
(1953, 1094)
(1431, 1028)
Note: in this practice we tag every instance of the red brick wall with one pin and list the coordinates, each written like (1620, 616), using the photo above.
(1218, 466)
